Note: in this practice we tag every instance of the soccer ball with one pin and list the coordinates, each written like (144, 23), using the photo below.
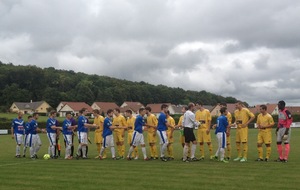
(46, 156)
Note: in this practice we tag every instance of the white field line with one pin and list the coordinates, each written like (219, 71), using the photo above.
(13, 164)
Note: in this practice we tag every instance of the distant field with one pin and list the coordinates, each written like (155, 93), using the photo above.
(138, 174)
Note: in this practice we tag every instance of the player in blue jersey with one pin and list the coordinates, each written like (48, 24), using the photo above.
(108, 139)
(34, 141)
(17, 132)
(138, 137)
(83, 126)
(161, 131)
(27, 126)
(68, 133)
(222, 127)
(51, 127)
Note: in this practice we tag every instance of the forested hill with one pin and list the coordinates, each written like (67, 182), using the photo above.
(25, 83)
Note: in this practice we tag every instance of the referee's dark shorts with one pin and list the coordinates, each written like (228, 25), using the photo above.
(188, 134)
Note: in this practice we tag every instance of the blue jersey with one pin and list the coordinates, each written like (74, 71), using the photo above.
(33, 125)
(18, 125)
(50, 123)
(222, 124)
(27, 128)
(138, 124)
(162, 120)
(106, 124)
(67, 123)
(81, 121)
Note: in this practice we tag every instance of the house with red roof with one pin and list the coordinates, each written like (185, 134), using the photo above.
(104, 106)
(73, 107)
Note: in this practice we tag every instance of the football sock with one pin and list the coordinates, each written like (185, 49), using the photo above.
(144, 152)
(222, 152)
(113, 152)
(130, 151)
(84, 151)
(210, 147)
(268, 152)
(24, 150)
(287, 151)
(17, 150)
(279, 150)
(37, 148)
(228, 150)
(260, 152)
(185, 151)
(245, 149)
(123, 149)
(79, 150)
(238, 148)
(201, 150)
(98, 147)
(154, 150)
(193, 150)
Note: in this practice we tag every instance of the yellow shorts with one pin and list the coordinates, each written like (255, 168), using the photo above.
(241, 135)
(151, 137)
(170, 140)
(129, 137)
(119, 135)
(202, 136)
(264, 137)
(98, 137)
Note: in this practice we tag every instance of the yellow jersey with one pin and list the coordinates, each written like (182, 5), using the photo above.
(99, 122)
(180, 124)
(171, 122)
(130, 124)
(152, 120)
(265, 120)
(242, 116)
(229, 118)
(204, 118)
(120, 121)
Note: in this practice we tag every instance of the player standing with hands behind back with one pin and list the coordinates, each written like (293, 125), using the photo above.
(283, 132)
(221, 128)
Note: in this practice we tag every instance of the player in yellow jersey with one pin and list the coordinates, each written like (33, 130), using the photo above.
(170, 132)
(203, 135)
(242, 119)
(264, 124)
(98, 122)
(181, 127)
(228, 144)
(119, 121)
(152, 125)
(130, 130)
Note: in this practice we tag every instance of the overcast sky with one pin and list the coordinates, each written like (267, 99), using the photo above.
(247, 49)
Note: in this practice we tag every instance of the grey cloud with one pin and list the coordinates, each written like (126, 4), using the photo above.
(134, 40)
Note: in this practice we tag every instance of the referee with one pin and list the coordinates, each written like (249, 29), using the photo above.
(189, 123)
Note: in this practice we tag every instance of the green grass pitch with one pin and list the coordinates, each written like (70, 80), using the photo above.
(110, 174)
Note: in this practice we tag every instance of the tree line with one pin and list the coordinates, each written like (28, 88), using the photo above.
(25, 83)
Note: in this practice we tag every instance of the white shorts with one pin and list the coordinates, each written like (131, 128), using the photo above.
(52, 138)
(108, 141)
(162, 136)
(82, 136)
(137, 139)
(19, 138)
(280, 134)
(221, 137)
(34, 140)
(68, 139)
